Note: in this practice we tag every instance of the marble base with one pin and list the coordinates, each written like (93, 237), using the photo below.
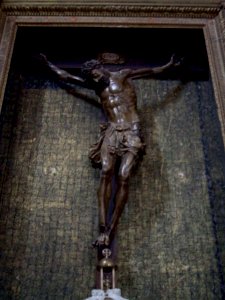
(114, 294)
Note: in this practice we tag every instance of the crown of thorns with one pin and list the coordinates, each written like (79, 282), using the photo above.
(103, 58)
(111, 58)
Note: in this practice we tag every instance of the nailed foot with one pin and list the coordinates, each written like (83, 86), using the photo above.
(102, 240)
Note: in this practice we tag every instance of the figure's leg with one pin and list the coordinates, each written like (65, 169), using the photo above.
(104, 194)
(105, 189)
(126, 166)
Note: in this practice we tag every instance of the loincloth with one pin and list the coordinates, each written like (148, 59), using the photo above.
(116, 139)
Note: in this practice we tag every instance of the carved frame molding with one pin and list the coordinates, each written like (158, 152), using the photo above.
(112, 10)
(210, 20)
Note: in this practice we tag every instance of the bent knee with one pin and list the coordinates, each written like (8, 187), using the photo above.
(124, 175)
(107, 169)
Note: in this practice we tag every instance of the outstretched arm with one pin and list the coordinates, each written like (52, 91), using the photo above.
(63, 75)
(139, 73)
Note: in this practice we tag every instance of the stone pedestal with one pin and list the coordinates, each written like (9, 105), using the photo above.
(113, 294)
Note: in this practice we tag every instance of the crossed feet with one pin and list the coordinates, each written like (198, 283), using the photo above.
(103, 239)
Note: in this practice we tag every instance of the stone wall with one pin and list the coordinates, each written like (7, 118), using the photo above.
(170, 237)
(48, 207)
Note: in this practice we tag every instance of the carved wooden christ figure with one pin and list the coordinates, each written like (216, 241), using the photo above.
(120, 141)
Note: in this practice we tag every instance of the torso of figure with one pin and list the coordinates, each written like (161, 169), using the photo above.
(119, 99)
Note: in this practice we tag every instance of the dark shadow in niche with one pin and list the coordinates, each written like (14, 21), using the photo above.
(70, 47)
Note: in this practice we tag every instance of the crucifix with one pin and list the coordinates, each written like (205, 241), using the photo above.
(120, 145)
